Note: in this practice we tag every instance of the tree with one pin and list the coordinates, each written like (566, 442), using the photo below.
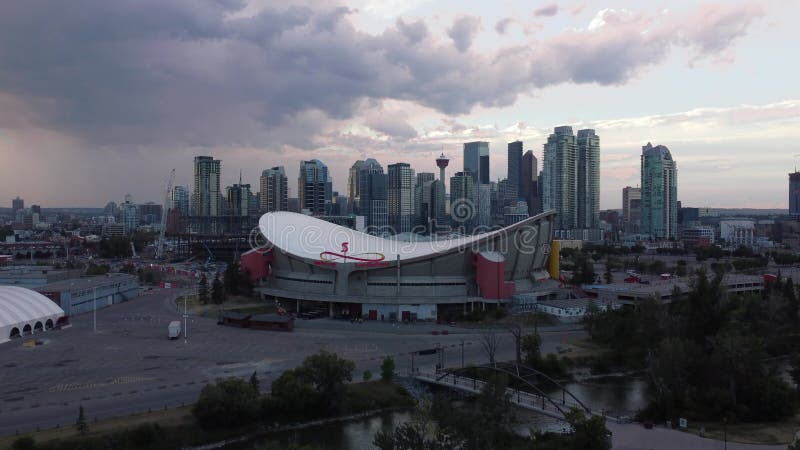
(231, 278)
(387, 369)
(489, 343)
(367, 375)
(588, 433)
(319, 382)
(516, 332)
(254, 382)
(532, 347)
(81, 425)
(218, 293)
(794, 369)
(226, 404)
(24, 443)
(202, 290)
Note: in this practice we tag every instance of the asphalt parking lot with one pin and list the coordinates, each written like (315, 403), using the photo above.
(130, 366)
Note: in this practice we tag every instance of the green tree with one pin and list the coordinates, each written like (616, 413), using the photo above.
(231, 278)
(319, 380)
(387, 369)
(367, 375)
(226, 404)
(588, 433)
(202, 289)
(218, 293)
(254, 382)
(81, 425)
(24, 443)
(532, 349)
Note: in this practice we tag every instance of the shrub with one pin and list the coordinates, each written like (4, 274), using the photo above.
(226, 404)
(387, 369)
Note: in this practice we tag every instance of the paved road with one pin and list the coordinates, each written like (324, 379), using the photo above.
(636, 437)
(130, 366)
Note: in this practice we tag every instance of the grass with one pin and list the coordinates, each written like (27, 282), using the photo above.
(767, 433)
(372, 395)
(176, 417)
(233, 303)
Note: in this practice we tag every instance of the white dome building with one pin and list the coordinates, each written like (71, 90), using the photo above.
(24, 312)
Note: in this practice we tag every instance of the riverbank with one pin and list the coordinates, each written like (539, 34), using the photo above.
(178, 428)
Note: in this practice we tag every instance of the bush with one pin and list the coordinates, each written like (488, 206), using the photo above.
(24, 443)
(367, 375)
(387, 369)
(226, 404)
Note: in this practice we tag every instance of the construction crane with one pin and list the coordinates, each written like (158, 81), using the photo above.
(164, 211)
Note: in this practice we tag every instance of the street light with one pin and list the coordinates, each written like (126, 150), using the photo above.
(94, 310)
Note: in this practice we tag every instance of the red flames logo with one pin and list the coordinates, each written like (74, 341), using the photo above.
(344, 257)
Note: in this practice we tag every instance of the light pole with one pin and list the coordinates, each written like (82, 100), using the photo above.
(94, 310)
(462, 353)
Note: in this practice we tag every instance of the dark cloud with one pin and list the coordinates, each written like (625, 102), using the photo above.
(463, 31)
(502, 25)
(548, 10)
(415, 32)
(171, 73)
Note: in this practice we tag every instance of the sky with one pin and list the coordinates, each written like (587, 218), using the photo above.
(100, 99)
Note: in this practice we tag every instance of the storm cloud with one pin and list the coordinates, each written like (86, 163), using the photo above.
(179, 73)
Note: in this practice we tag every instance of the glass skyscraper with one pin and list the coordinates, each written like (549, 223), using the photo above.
(659, 193)
(476, 160)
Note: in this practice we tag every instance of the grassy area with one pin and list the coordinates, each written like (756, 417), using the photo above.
(767, 433)
(168, 418)
(373, 395)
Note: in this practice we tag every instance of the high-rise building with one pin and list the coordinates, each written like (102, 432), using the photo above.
(179, 200)
(401, 197)
(424, 177)
(274, 190)
(150, 213)
(314, 187)
(354, 187)
(529, 182)
(463, 207)
(515, 186)
(794, 194)
(571, 182)
(631, 209)
(206, 198)
(476, 161)
(659, 193)
(430, 205)
(373, 196)
(484, 210)
(588, 198)
(129, 215)
(237, 200)
(560, 173)
(17, 204)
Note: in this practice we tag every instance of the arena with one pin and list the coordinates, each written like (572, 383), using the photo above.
(310, 265)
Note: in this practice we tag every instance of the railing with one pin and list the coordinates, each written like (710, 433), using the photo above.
(539, 403)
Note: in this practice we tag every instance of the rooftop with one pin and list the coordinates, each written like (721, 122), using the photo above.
(86, 282)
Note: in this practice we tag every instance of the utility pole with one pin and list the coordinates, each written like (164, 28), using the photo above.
(462, 353)
(94, 309)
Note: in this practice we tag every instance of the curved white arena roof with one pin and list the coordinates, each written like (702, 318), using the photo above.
(20, 307)
(308, 237)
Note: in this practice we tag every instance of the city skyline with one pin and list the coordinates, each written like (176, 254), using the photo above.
(128, 131)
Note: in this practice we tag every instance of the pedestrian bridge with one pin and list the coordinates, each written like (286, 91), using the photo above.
(530, 397)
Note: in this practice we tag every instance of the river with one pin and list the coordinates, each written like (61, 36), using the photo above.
(621, 396)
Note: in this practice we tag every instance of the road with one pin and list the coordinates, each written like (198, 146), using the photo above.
(129, 365)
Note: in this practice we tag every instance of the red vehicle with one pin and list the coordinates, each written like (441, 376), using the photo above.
(632, 279)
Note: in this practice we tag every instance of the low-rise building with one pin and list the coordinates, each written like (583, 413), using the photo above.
(80, 295)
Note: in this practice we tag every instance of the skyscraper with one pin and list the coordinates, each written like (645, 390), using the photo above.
(237, 200)
(794, 194)
(424, 177)
(314, 187)
(373, 195)
(476, 160)
(463, 207)
(274, 190)
(442, 162)
(401, 197)
(206, 198)
(354, 187)
(129, 215)
(631, 209)
(588, 197)
(560, 173)
(515, 186)
(529, 181)
(571, 182)
(659, 193)
(17, 204)
(179, 200)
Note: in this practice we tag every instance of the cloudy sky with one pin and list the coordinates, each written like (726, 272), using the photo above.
(102, 98)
